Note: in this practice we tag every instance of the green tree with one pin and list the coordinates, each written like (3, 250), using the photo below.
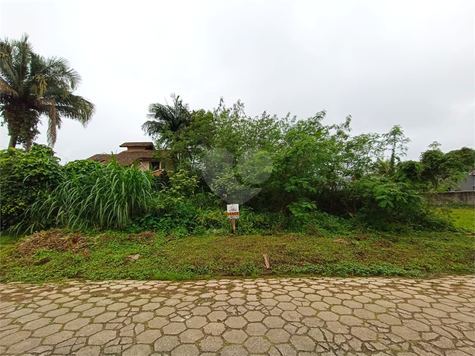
(433, 172)
(32, 86)
(442, 171)
(459, 162)
(396, 142)
(195, 140)
(167, 121)
(314, 167)
(410, 172)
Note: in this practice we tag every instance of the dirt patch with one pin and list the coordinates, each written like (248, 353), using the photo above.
(382, 244)
(313, 230)
(340, 241)
(146, 237)
(361, 237)
(54, 240)
(143, 237)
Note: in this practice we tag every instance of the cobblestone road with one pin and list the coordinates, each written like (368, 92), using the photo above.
(297, 316)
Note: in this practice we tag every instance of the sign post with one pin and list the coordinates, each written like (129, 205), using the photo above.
(233, 214)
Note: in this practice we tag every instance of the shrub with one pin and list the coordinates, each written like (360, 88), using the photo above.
(27, 177)
(214, 220)
(263, 223)
(174, 211)
(389, 205)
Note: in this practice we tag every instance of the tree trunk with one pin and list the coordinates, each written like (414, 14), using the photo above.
(13, 141)
(28, 145)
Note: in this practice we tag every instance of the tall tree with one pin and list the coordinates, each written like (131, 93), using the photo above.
(396, 142)
(167, 121)
(442, 171)
(32, 86)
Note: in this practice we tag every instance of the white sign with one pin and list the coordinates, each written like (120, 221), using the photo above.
(233, 211)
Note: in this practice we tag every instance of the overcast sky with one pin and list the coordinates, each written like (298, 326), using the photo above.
(383, 62)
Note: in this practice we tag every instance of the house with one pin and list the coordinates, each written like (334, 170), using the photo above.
(140, 153)
(467, 184)
(462, 193)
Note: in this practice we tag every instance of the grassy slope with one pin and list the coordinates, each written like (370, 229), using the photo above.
(105, 256)
(464, 218)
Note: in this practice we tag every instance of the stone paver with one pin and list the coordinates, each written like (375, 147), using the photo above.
(291, 316)
(166, 343)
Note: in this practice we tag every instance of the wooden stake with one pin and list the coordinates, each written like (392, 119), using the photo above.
(233, 221)
(266, 261)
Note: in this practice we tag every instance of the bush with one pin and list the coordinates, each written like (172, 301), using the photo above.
(214, 220)
(27, 177)
(390, 205)
(262, 223)
(81, 168)
(173, 211)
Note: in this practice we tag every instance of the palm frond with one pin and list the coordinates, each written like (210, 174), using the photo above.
(21, 58)
(59, 73)
(153, 128)
(14, 61)
(6, 89)
(48, 106)
(75, 107)
(172, 118)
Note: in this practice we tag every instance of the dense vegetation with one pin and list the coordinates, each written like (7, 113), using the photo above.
(309, 177)
(328, 203)
(26, 177)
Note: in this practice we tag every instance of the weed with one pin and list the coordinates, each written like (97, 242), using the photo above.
(419, 254)
(106, 196)
(245, 269)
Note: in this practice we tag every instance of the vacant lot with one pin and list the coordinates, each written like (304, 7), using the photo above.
(57, 255)
(148, 256)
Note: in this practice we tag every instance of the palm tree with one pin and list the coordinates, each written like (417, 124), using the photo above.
(32, 86)
(167, 121)
(381, 167)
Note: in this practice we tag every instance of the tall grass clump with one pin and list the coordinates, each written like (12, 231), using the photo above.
(103, 196)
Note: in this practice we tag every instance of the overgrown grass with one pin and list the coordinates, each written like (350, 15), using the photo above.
(110, 256)
(7, 239)
(464, 217)
(106, 196)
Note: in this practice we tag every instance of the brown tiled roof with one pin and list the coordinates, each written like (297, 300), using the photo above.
(126, 158)
(137, 144)
(99, 158)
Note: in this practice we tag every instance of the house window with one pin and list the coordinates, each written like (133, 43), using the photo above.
(155, 166)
